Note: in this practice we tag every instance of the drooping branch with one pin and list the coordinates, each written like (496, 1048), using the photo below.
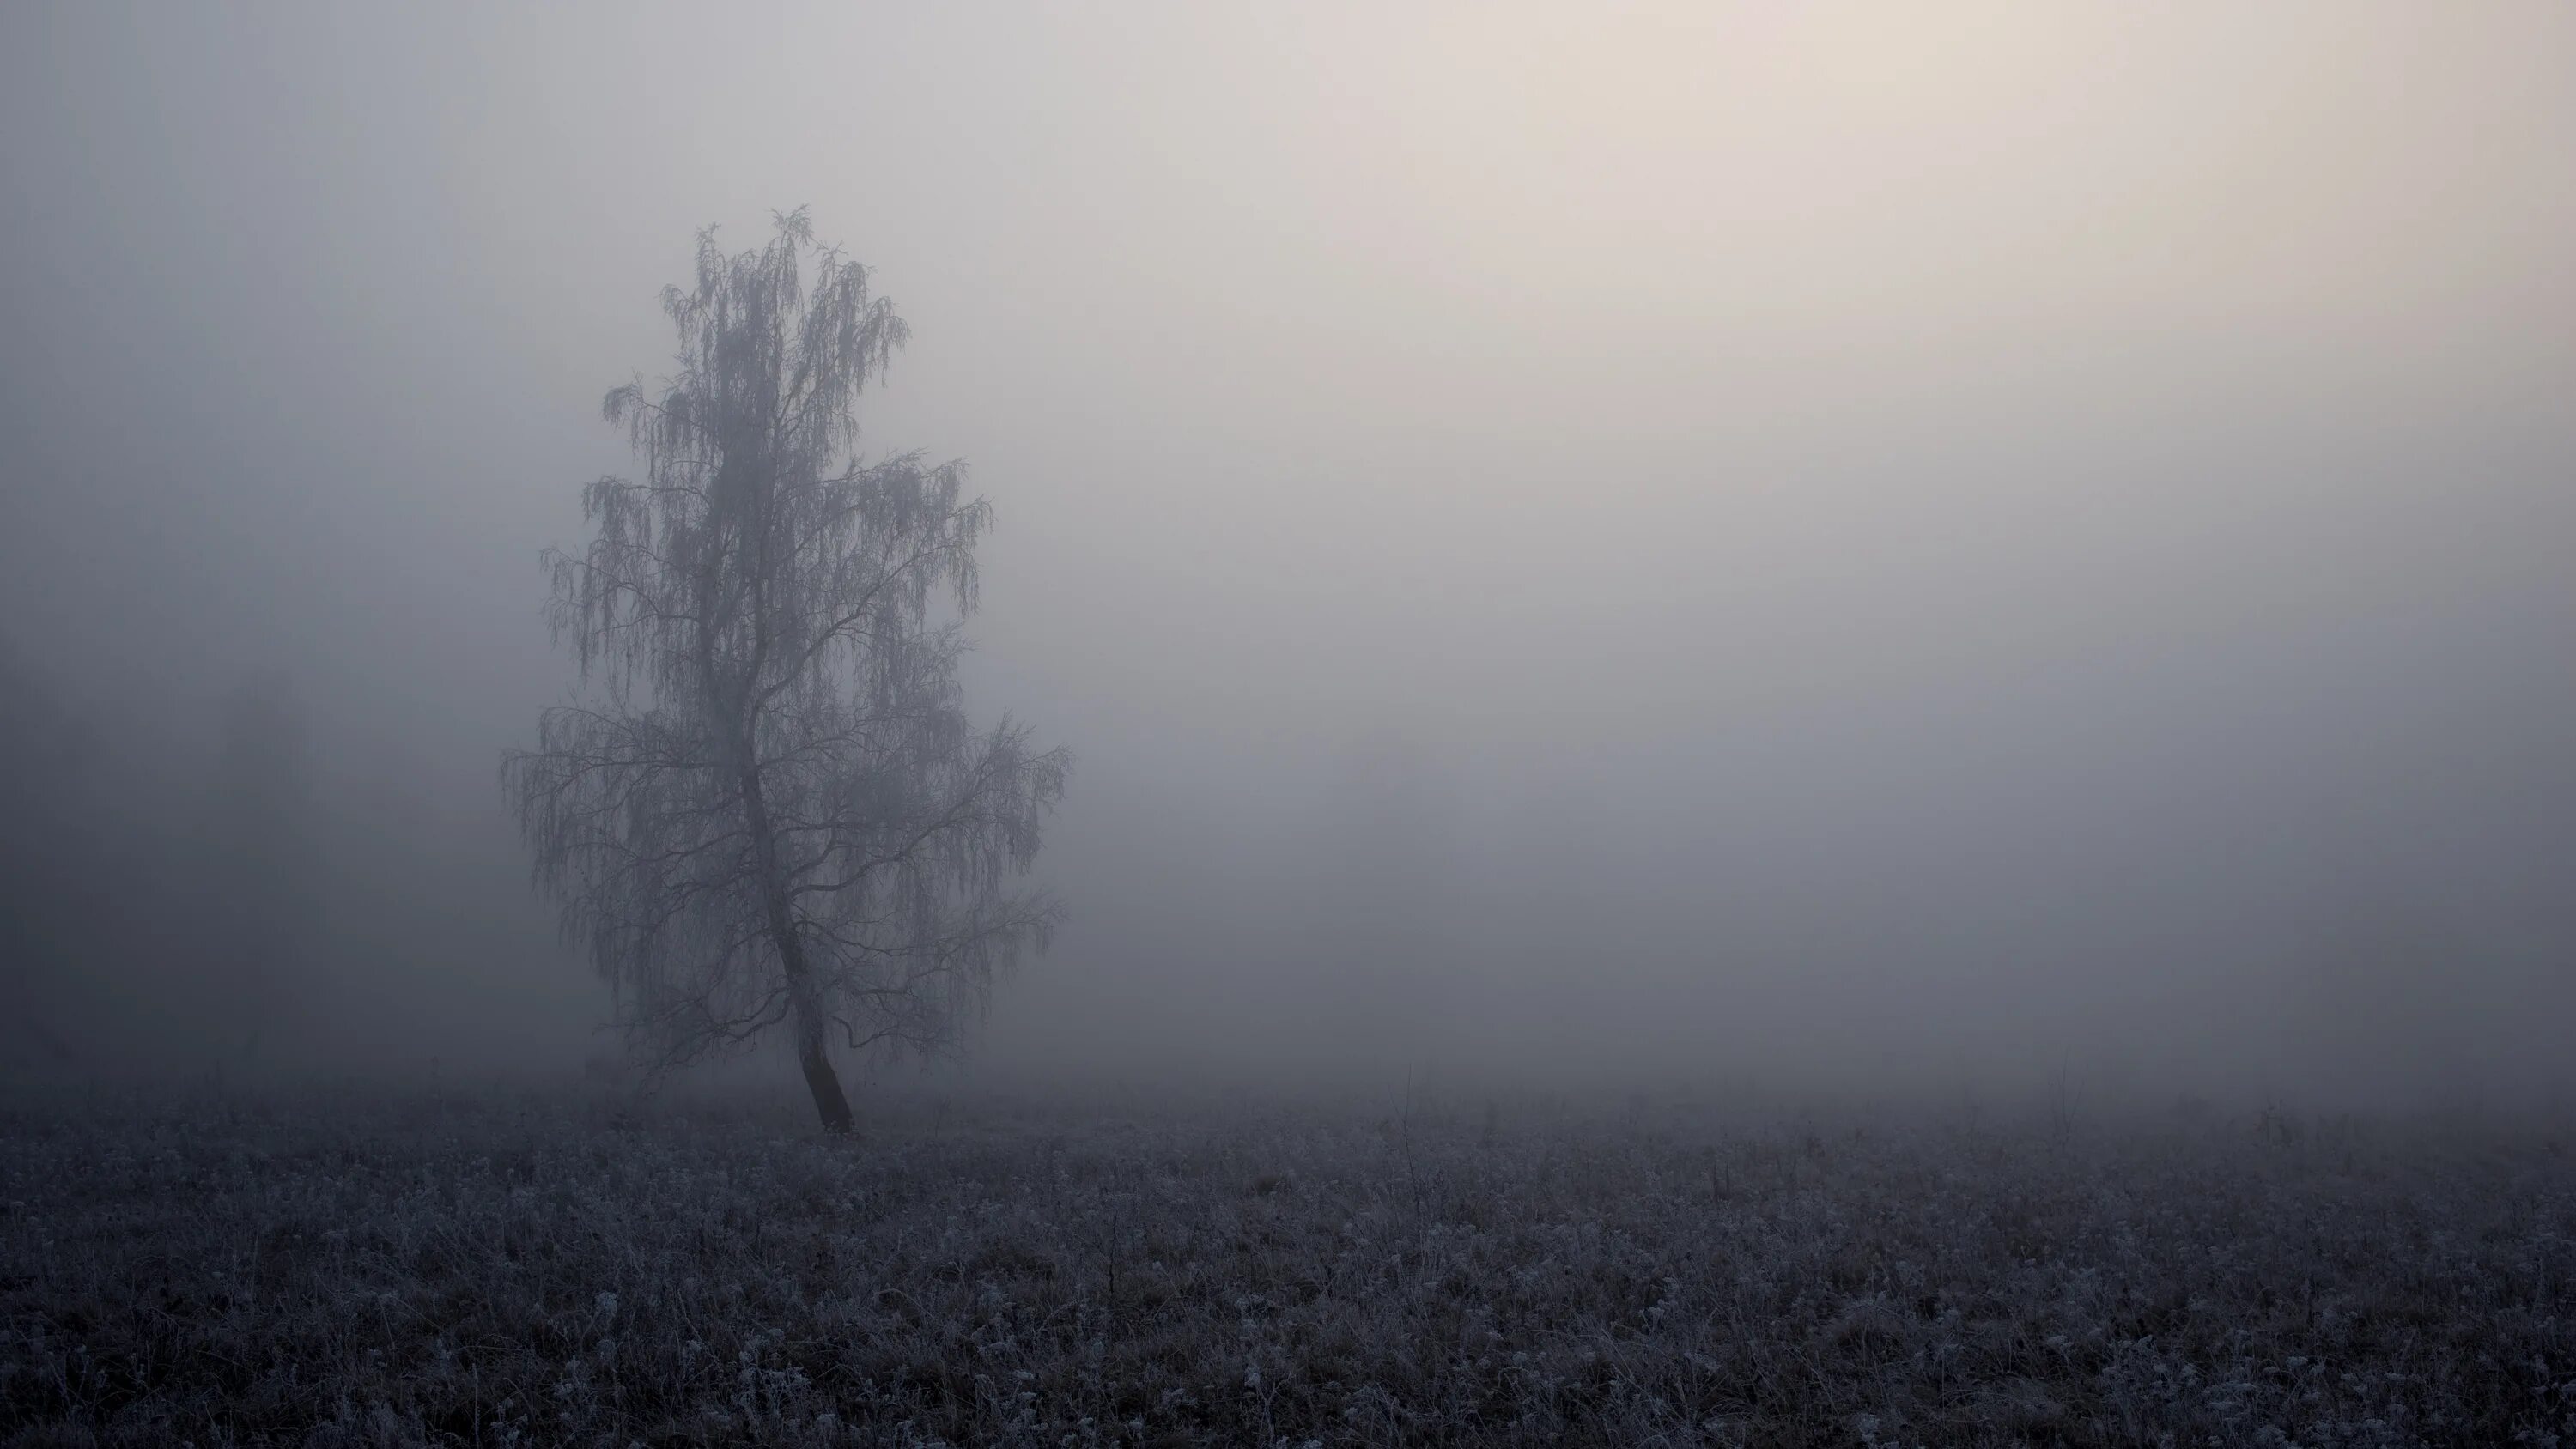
(770, 809)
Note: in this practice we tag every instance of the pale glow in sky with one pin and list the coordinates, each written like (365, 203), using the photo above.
(1875, 534)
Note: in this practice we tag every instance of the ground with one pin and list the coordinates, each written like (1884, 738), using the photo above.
(380, 1267)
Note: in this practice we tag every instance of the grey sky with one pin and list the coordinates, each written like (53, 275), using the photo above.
(1874, 536)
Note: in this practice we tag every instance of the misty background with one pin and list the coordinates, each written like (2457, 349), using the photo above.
(1815, 545)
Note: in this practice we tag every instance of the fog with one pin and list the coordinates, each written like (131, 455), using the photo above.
(1837, 548)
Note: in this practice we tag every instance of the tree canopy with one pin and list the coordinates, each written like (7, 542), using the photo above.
(766, 806)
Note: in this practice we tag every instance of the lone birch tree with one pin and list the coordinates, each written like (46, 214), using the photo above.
(765, 807)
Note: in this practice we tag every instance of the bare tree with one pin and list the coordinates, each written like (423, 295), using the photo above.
(767, 807)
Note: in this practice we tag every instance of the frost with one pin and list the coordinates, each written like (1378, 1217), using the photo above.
(508, 1273)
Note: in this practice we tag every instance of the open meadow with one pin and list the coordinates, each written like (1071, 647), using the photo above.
(372, 1268)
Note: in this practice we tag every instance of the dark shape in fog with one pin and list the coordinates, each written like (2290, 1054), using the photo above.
(769, 808)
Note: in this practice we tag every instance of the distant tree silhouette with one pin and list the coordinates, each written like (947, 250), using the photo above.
(768, 808)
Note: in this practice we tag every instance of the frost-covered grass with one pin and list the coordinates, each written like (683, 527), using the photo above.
(374, 1269)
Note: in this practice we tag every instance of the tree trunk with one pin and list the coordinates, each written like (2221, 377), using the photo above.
(813, 1045)
(829, 1101)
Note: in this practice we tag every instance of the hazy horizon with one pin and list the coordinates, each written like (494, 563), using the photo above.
(1821, 545)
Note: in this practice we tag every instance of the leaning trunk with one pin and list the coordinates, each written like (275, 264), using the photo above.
(813, 1052)
(813, 1044)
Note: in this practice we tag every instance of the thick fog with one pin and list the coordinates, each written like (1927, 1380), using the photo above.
(1881, 549)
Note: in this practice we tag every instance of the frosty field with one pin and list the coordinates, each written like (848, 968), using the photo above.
(376, 1268)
